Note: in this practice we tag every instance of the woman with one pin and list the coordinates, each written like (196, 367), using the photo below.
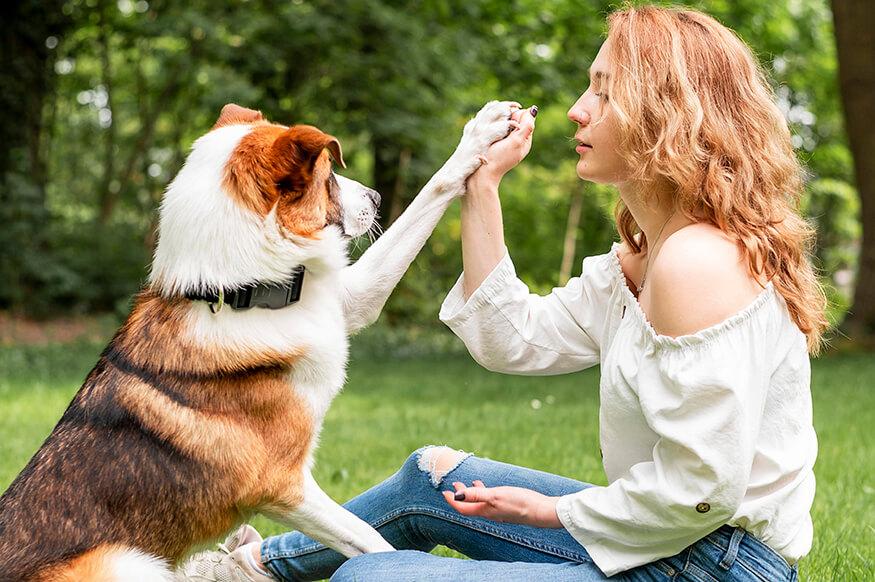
(701, 319)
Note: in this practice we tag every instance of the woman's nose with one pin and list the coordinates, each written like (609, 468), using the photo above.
(578, 114)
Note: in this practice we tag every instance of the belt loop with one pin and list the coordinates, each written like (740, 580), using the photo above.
(732, 550)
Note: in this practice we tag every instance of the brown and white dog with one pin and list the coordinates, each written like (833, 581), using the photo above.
(201, 412)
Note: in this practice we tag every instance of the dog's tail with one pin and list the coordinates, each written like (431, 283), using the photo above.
(112, 563)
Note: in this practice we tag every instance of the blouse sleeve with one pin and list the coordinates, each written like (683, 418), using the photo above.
(507, 329)
(703, 397)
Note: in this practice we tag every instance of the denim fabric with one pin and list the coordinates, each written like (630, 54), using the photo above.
(411, 514)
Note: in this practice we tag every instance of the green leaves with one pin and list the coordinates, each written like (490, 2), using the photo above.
(395, 82)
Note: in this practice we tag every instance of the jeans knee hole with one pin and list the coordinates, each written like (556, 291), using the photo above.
(437, 461)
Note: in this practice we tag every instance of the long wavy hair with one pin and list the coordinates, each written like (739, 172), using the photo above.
(694, 108)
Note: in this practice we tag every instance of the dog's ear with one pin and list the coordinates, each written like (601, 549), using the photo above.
(333, 147)
(235, 114)
(295, 153)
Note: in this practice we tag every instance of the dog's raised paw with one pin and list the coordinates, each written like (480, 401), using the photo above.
(491, 124)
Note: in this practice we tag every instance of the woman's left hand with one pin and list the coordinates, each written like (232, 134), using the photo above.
(505, 504)
(509, 151)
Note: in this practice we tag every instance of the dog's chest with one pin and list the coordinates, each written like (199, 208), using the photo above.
(312, 332)
(318, 375)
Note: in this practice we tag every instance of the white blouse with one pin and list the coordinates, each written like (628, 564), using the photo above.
(696, 431)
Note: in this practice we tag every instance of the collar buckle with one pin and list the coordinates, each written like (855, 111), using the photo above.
(267, 295)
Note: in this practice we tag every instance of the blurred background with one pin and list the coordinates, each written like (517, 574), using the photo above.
(100, 101)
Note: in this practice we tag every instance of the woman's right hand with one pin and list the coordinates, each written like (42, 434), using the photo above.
(508, 152)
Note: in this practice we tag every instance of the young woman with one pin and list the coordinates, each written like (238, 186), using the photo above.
(702, 319)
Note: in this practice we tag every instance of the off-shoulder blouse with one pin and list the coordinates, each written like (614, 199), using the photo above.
(696, 431)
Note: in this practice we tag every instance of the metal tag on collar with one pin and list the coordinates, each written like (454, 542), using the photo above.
(217, 306)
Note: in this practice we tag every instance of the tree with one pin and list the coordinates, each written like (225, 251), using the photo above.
(137, 82)
(855, 43)
(31, 30)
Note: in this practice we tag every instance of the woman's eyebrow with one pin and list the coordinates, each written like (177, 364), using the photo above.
(598, 75)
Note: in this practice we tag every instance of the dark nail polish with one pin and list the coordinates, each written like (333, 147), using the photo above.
(459, 496)
(533, 110)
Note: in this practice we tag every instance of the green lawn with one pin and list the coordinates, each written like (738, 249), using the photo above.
(399, 398)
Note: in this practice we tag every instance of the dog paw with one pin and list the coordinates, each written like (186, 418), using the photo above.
(491, 124)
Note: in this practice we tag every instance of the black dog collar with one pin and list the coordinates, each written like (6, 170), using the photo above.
(269, 295)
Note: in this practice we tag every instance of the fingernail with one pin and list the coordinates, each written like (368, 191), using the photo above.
(459, 496)
(533, 110)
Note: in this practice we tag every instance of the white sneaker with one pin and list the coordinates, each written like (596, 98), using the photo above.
(227, 563)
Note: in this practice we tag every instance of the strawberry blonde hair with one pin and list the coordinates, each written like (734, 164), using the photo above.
(694, 108)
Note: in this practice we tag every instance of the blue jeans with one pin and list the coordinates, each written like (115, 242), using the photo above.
(411, 514)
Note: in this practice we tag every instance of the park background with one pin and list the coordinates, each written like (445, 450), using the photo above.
(100, 101)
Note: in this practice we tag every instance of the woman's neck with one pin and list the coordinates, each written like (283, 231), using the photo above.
(653, 207)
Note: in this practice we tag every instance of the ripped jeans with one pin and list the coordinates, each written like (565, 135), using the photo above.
(411, 514)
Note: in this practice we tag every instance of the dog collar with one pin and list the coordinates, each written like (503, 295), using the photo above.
(269, 295)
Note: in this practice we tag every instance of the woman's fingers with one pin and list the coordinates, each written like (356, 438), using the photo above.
(509, 151)
(478, 493)
(466, 500)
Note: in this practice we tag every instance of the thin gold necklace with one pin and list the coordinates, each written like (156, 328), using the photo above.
(650, 248)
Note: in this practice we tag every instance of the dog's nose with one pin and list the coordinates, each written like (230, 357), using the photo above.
(375, 197)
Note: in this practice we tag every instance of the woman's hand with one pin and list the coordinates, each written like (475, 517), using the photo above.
(505, 504)
(508, 152)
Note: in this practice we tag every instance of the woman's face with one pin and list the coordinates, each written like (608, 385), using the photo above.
(596, 128)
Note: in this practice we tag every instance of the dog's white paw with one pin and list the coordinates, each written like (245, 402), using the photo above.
(491, 124)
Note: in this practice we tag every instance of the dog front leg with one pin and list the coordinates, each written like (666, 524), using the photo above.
(322, 519)
(369, 281)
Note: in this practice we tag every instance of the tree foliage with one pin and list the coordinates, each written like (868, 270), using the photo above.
(130, 84)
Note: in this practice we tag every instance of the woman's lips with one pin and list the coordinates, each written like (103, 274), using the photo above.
(583, 147)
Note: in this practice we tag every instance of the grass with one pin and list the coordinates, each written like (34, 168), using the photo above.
(400, 396)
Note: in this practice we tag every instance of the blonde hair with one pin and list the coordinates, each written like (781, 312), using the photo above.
(694, 108)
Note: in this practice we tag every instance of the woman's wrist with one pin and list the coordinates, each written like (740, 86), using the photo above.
(549, 516)
(481, 183)
(482, 233)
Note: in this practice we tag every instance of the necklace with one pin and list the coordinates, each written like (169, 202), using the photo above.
(650, 248)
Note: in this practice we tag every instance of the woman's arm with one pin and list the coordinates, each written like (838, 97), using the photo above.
(482, 228)
(505, 327)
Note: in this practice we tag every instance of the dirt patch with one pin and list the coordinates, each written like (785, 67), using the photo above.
(23, 330)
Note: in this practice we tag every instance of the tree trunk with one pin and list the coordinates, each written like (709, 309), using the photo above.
(107, 197)
(855, 44)
(26, 78)
(390, 170)
(150, 119)
(570, 242)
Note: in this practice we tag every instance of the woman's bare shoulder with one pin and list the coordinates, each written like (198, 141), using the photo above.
(698, 279)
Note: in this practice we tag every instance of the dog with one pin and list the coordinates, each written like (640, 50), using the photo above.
(206, 406)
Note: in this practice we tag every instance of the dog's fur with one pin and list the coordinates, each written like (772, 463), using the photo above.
(191, 420)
